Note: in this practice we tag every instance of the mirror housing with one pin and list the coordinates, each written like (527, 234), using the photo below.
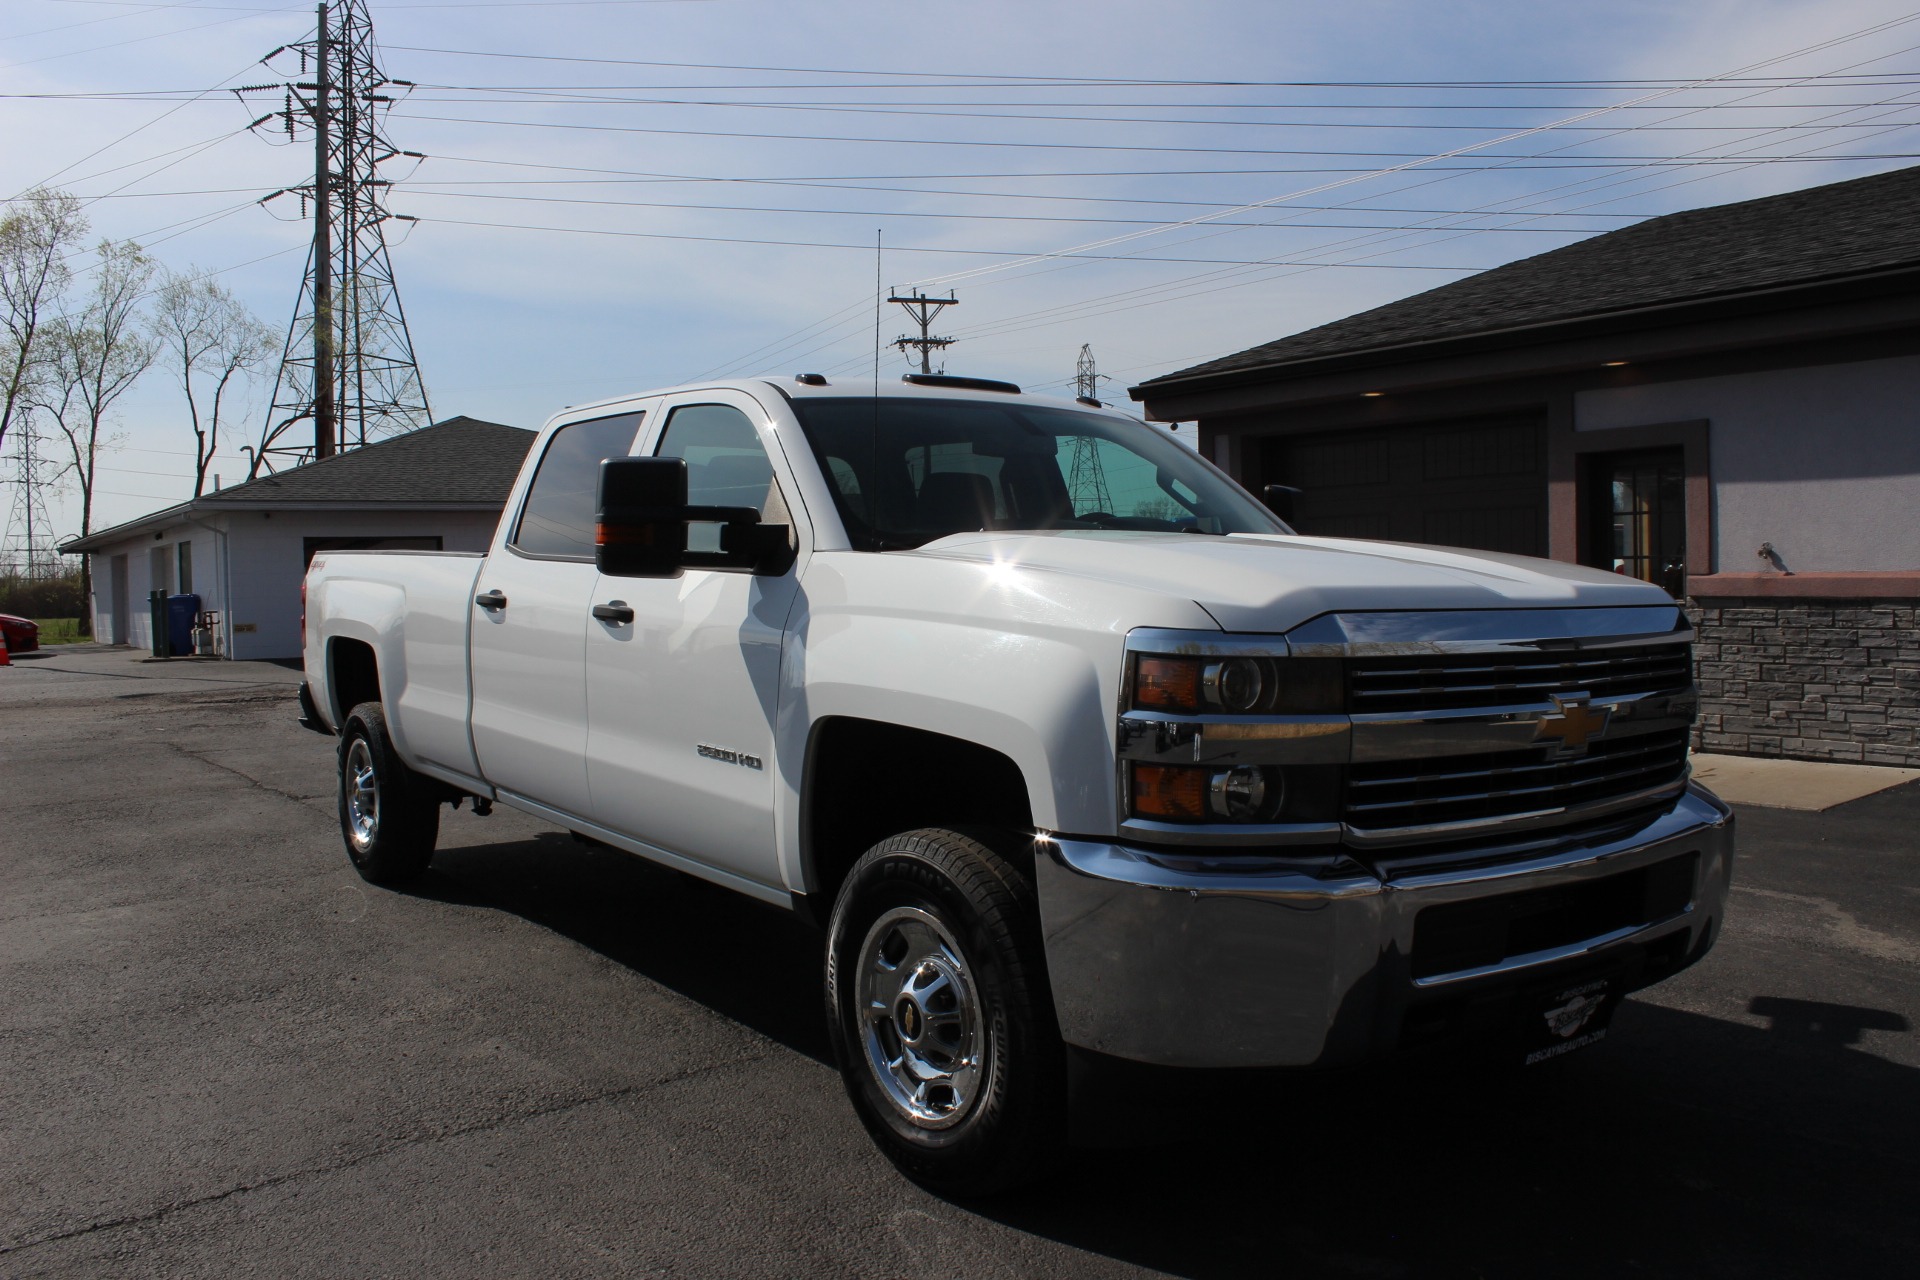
(640, 525)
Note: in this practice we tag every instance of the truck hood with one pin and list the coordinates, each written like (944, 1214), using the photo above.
(1272, 583)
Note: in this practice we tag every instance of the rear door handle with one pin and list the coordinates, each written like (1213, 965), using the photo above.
(616, 611)
(490, 600)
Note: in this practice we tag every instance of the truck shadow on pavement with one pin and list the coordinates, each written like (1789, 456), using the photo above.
(753, 963)
(1687, 1145)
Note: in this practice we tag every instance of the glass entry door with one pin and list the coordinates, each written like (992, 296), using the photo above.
(1637, 505)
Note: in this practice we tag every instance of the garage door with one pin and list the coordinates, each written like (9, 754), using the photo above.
(1479, 484)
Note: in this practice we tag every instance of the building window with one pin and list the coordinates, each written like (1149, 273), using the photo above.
(185, 557)
(1638, 505)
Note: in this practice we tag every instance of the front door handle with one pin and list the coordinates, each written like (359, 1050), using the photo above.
(615, 611)
(490, 600)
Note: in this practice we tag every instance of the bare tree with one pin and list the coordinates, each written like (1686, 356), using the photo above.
(210, 339)
(95, 354)
(39, 231)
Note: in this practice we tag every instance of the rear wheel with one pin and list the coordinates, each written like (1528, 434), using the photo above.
(389, 815)
(940, 1017)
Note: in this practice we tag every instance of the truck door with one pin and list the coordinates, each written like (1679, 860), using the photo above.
(681, 700)
(530, 619)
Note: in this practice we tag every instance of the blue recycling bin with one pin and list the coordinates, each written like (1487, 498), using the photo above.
(180, 612)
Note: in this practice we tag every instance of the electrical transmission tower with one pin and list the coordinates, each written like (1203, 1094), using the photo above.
(923, 309)
(1087, 477)
(348, 369)
(29, 549)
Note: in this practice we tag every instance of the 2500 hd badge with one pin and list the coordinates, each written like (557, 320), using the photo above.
(724, 756)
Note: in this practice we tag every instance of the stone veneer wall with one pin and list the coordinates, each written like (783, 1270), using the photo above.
(1809, 679)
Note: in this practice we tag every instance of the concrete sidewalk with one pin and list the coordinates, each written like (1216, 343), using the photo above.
(1793, 784)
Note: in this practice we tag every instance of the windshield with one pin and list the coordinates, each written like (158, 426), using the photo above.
(906, 471)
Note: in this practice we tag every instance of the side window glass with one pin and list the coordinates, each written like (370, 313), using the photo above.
(726, 467)
(557, 518)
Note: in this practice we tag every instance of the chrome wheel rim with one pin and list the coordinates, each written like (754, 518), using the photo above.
(926, 1040)
(362, 789)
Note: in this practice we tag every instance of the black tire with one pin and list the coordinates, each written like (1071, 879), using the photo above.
(955, 911)
(390, 829)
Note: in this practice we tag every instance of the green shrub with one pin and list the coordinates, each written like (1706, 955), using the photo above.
(59, 597)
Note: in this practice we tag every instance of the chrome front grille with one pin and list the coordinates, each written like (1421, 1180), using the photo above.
(1401, 794)
(1445, 727)
(1454, 681)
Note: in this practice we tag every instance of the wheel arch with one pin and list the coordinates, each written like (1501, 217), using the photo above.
(353, 676)
(866, 780)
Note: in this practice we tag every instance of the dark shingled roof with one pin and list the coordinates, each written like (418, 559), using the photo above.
(1825, 233)
(462, 460)
(460, 463)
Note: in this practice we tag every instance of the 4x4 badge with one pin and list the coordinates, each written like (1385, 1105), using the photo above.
(1571, 724)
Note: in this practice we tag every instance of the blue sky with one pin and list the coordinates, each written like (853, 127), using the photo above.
(977, 139)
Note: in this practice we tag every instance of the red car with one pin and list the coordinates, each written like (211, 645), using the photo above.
(23, 634)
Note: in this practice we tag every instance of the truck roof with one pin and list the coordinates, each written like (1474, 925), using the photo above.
(812, 386)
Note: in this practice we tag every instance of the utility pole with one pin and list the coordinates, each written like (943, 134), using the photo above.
(348, 366)
(29, 530)
(923, 309)
(1087, 475)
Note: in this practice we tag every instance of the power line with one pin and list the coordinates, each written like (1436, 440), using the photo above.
(1732, 79)
(1445, 155)
(987, 143)
(426, 189)
(822, 244)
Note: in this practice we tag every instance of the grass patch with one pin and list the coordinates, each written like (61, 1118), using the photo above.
(61, 631)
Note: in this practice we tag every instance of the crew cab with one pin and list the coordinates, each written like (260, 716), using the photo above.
(1068, 742)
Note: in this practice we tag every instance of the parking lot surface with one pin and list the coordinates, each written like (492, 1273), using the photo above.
(222, 1054)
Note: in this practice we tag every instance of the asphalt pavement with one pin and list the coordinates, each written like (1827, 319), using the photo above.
(221, 1054)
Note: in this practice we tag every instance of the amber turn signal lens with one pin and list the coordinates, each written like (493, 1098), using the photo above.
(1171, 793)
(1167, 684)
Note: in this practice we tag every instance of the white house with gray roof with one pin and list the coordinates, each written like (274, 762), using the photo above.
(244, 550)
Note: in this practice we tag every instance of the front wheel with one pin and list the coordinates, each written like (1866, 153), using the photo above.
(939, 1012)
(389, 816)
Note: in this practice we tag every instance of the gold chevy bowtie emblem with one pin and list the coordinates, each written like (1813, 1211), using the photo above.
(1571, 724)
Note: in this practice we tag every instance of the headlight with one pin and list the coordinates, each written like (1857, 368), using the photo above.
(1238, 686)
(1188, 793)
(1234, 684)
(1242, 794)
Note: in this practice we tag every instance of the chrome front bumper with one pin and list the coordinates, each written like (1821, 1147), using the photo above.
(1160, 958)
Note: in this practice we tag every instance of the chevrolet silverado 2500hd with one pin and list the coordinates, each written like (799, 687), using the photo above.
(1065, 738)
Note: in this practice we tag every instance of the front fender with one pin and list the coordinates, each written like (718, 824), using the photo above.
(1024, 662)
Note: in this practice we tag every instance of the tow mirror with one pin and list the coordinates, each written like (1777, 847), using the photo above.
(640, 530)
(640, 523)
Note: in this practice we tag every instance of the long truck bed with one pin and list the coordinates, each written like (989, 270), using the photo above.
(415, 608)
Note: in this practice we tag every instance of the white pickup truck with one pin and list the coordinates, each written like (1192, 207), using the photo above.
(1070, 743)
